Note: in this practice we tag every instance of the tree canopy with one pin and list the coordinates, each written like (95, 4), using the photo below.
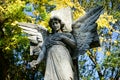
(14, 45)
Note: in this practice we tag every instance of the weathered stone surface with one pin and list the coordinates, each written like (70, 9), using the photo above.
(65, 15)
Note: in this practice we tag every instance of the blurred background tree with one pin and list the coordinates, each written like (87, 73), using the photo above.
(98, 63)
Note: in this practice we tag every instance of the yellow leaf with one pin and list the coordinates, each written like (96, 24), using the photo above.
(14, 23)
(101, 39)
(94, 49)
(44, 23)
(115, 42)
(7, 48)
(36, 13)
(88, 52)
(110, 32)
(108, 53)
(104, 21)
(99, 49)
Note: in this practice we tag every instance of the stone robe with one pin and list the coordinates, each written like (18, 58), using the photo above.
(59, 64)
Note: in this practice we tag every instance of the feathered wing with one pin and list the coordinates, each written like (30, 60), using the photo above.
(85, 31)
(36, 35)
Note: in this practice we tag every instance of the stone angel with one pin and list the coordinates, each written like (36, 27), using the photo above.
(66, 42)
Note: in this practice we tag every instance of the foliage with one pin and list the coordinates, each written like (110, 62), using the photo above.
(103, 58)
(11, 12)
(13, 43)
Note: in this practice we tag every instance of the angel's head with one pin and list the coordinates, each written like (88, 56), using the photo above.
(56, 24)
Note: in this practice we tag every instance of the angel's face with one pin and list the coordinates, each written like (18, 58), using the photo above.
(56, 25)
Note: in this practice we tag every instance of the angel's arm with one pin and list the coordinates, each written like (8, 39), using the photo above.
(57, 38)
(40, 57)
(69, 40)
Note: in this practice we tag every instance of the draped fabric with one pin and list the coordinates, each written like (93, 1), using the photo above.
(59, 64)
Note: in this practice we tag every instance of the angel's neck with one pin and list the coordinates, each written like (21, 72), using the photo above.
(59, 31)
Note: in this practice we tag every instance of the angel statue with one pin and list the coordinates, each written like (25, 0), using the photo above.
(62, 47)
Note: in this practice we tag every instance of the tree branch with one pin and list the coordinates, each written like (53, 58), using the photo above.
(1, 27)
(95, 63)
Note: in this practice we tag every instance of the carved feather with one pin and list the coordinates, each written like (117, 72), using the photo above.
(85, 31)
(36, 35)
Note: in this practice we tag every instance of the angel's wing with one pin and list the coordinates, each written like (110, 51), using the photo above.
(85, 31)
(36, 35)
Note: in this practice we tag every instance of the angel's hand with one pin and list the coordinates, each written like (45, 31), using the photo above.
(33, 63)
